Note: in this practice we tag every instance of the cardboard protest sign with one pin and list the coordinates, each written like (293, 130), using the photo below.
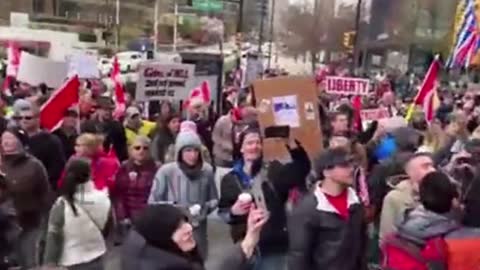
(374, 114)
(84, 65)
(35, 70)
(289, 101)
(160, 81)
(347, 86)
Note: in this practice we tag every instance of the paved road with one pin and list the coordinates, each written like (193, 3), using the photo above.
(219, 241)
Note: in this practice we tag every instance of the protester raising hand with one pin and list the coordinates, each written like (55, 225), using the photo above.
(255, 222)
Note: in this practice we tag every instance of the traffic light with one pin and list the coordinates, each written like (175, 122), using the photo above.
(349, 40)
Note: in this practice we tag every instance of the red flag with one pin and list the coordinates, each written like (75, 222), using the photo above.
(52, 112)
(201, 93)
(429, 83)
(428, 87)
(13, 61)
(119, 93)
(357, 109)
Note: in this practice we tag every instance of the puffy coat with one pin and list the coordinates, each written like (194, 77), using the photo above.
(321, 239)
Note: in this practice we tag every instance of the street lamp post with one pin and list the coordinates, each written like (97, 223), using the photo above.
(117, 24)
(356, 39)
(272, 25)
(175, 27)
(155, 28)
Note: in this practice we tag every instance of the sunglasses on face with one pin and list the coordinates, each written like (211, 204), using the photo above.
(138, 148)
(18, 118)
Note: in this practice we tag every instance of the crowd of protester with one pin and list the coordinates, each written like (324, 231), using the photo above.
(391, 195)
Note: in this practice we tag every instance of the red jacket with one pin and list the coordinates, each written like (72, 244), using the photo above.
(103, 169)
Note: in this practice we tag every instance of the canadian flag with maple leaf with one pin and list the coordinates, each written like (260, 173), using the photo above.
(119, 97)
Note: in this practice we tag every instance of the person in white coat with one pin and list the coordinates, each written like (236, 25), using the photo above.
(78, 222)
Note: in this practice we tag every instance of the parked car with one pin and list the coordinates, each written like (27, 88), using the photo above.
(129, 60)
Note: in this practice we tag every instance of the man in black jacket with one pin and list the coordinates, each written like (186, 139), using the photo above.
(103, 123)
(327, 230)
(41, 144)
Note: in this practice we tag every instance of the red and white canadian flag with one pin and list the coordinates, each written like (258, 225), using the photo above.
(120, 101)
(53, 111)
(199, 95)
(13, 62)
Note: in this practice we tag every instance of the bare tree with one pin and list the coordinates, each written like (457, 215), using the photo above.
(312, 31)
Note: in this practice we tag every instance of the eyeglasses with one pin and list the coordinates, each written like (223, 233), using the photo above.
(138, 148)
(18, 118)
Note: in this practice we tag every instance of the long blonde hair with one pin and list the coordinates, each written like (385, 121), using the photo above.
(434, 137)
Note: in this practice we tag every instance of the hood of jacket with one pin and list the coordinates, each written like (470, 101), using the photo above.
(137, 254)
(185, 139)
(421, 225)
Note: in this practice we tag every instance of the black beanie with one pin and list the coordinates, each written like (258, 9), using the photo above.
(157, 223)
(20, 134)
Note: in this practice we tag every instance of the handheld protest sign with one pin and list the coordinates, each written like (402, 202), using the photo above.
(160, 81)
(289, 101)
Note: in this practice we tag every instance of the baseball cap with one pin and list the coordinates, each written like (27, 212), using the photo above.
(132, 112)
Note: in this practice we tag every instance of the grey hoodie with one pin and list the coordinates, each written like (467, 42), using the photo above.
(172, 186)
(421, 225)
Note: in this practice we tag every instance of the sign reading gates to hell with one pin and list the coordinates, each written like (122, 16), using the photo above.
(347, 86)
(374, 114)
(160, 81)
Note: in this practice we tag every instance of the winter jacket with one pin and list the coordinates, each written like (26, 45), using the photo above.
(9, 232)
(321, 239)
(68, 142)
(223, 139)
(173, 185)
(395, 204)
(145, 130)
(421, 225)
(280, 179)
(132, 187)
(49, 150)
(137, 254)
(103, 170)
(114, 136)
(161, 143)
(28, 187)
(380, 176)
(204, 130)
(463, 245)
(75, 239)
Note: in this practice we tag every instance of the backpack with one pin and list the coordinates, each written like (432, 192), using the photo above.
(401, 254)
